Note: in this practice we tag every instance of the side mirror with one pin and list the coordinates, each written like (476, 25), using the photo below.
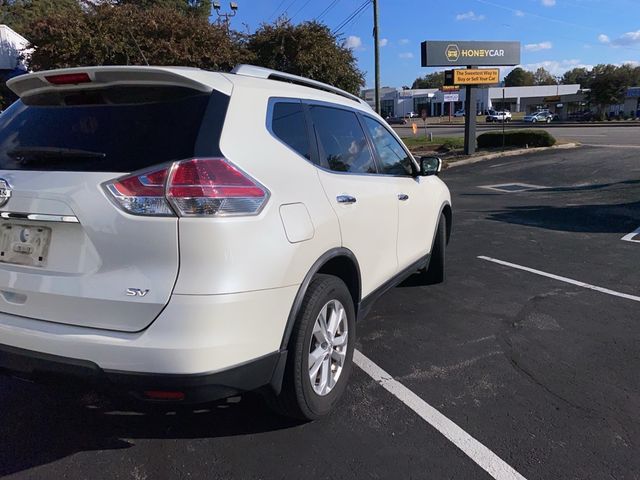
(430, 166)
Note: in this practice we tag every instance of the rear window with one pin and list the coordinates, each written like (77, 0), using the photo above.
(289, 125)
(109, 130)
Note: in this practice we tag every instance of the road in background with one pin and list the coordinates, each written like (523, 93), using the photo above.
(587, 135)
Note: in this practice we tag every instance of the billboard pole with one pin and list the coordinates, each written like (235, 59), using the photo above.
(470, 120)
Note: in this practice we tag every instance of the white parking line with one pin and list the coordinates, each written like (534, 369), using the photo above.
(562, 279)
(630, 237)
(476, 451)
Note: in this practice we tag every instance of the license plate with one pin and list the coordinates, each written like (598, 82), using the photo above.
(24, 244)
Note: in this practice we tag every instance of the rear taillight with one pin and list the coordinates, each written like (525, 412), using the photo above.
(213, 187)
(142, 193)
(194, 187)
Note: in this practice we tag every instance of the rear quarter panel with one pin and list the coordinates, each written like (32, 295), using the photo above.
(238, 254)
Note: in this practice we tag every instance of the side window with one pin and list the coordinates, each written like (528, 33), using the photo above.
(342, 142)
(289, 125)
(394, 159)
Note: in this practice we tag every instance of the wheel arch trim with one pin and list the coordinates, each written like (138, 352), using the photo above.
(278, 374)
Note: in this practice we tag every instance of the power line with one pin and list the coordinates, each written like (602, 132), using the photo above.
(326, 10)
(290, 5)
(351, 17)
(355, 20)
(300, 9)
(276, 9)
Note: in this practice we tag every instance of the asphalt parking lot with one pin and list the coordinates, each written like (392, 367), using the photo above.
(539, 366)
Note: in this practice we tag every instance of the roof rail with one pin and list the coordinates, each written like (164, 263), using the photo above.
(261, 72)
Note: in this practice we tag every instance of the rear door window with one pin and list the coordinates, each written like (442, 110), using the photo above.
(342, 142)
(118, 129)
(289, 125)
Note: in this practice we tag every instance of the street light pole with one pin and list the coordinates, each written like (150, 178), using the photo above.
(227, 16)
(376, 48)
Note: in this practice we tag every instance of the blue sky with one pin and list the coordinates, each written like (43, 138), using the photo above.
(556, 34)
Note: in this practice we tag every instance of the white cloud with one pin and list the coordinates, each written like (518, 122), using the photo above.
(405, 55)
(625, 40)
(536, 47)
(470, 15)
(633, 63)
(518, 13)
(629, 38)
(383, 42)
(548, 3)
(556, 67)
(403, 41)
(352, 42)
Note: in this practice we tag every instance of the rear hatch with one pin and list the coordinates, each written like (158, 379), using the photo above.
(68, 254)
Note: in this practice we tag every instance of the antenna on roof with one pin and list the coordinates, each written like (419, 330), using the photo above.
(138, 47)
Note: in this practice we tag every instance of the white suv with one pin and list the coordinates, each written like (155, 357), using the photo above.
(184, 235)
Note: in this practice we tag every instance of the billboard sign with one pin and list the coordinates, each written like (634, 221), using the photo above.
(453, 53)
(476, 76)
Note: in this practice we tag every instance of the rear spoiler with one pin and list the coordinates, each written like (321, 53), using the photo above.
(84, 78)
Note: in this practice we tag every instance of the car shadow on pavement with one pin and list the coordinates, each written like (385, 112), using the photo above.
(600, 218)
(39, 425)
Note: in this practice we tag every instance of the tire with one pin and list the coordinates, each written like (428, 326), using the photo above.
(533, 120)
(300, 398)
(548, 120)
(435, 271)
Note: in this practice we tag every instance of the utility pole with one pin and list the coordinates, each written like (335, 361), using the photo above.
(376, 48)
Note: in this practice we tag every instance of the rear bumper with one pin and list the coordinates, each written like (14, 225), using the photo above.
(62, 371)
(216, 343)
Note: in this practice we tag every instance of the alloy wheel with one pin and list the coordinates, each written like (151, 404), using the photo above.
(328, 347)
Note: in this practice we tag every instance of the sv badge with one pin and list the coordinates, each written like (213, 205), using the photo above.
(136, 292)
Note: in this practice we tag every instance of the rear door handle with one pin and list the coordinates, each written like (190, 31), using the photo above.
(346, 199)
(403, 197)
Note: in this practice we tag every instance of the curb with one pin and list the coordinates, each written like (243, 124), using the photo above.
(510, 153)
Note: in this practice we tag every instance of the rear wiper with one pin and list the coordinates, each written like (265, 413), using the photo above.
(52, 152)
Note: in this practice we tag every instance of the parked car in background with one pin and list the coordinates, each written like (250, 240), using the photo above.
(147, 248)
(396, 120)
(459, 113)
(541, 116)
(500, 116)
(412, 115)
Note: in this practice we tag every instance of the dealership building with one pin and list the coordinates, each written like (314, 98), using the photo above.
(12, 51)
(561, 99)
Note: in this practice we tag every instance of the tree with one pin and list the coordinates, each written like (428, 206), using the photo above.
(609, 84)
(430, 80)
(199, 8)
(519, 77)
(308, 49)
(542, 77)
(19, 14)
(127, 35)
(579, 75)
